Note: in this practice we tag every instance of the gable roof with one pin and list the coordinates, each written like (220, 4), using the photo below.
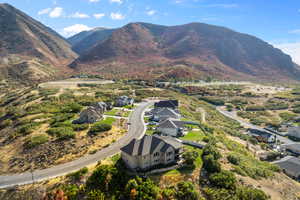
(291, 165)
(167, 104)
(294, 131)
(293, 147)
(168, 112)
(171, 123)
(148, 144)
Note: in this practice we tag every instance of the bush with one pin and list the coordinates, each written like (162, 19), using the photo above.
(186, 191)
(62, 132)
(76, 176)
(80, 127)
(36, 140)
(255, 108)
(190, 157)
(28, 128)
(71, 108)
(210, 149)
(233, 159)
(100, 127)
(5, 123)
(213, 100)
(247, 193)
(210, 164)
(223, 179)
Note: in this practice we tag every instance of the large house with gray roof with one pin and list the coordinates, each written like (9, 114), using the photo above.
(171, 127)
(291, 166)
(151, 151)
(165, 113)
(294, 132)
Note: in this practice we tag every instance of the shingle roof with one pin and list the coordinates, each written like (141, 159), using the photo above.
(293, 147)
(167, 104)
(148, 144)
(171, 123)
(291, 165)
(168, 112)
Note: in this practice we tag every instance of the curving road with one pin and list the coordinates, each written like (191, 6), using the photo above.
(136, 130)
(245, 124)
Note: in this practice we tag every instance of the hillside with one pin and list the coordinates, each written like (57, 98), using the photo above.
(85, 40)
(25, 42)
(148, 50)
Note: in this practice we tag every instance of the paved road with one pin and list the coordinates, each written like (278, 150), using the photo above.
(136, 130)
(233, 116)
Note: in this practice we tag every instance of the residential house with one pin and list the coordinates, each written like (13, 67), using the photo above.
(172, 104)
(163, 114)
(294, 132)
(150, 152)
(293, 149)
(124, 101)
(92, 114)
(262, 136)
(291, 166)
(171, 127)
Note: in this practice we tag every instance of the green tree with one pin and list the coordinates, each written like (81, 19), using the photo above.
(223, 179)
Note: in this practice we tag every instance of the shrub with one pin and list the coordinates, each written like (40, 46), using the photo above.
(247, 193)
(80, 127)
(223, 179)
(190, 157)
(36, 140)
(210, 149)
(71, 108)
(255, 108)
(213, 100)
(76, 176)
(233, 159)
(287, 116)
(100, 127)
(186, 191)
(6, 123)
(62, 132)
(210, 164)
(28, 128)
(96, 195)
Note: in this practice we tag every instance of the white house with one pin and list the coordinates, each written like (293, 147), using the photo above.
(171, 127)
(151, 151)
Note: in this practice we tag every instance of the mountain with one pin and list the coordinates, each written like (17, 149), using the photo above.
(29, 47)
(85, 40)
(141, 50)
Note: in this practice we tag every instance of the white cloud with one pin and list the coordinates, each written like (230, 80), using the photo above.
(79, 15)
(116, 1)
(99, 15)
(151, 12)
(292, 49)
(221, 5)
(44, 11)
(297, 31)
(74, 29)
(117, 16)
(94, 1)
(56, 12)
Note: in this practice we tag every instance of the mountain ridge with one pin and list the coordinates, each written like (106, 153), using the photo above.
(210, 50)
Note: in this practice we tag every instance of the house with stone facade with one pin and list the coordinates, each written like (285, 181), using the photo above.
(151, 151)
(92, 114)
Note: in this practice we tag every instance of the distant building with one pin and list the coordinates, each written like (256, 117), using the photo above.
(294, 132)
(291, 166)
(262, 136)
(92, 114)
(171, 127)
(151, 151)
(124, 101)
(163, 114)
(172, 104)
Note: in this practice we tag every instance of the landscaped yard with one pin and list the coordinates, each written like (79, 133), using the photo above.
(194, 136)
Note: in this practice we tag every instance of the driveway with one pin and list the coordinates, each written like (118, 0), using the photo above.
(137, 129)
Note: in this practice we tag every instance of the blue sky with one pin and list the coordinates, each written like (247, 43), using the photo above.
(275, 21)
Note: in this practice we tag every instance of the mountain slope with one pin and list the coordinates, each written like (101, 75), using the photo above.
(85, 40)
(140, 48)
(24, 39)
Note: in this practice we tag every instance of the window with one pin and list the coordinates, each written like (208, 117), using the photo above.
(156, 161)
(156, 154)
(169, 153)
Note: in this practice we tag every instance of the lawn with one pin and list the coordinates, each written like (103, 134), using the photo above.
(112, 112)
(194, 136)
(108, 120)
